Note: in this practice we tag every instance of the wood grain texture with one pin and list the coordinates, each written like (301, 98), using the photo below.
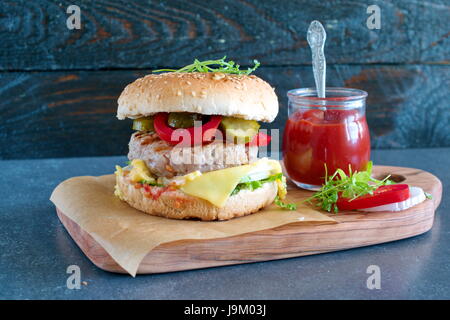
(146, 34)
(353, 230)
(60, 114)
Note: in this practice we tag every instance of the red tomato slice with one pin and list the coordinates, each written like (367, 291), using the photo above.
(383, 195)
(260, 140)
(189, 136)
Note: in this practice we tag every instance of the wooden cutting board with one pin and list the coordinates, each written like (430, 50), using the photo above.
(354, 229)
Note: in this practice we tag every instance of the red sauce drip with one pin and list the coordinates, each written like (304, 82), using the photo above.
(155, 192)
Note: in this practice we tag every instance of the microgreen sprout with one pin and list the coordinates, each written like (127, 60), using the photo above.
(219, 65)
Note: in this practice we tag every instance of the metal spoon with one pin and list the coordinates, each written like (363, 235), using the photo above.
(316, 37)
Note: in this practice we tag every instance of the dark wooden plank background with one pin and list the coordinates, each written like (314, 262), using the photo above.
(59, 87)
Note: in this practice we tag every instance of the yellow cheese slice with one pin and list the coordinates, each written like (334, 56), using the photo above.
(216, 186)
(117, 192)
(140, 171)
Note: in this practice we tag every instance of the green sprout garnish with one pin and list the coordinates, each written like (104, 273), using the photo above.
(151, 183)
(246, 184)
(351, 186)
(221, 66)
(284, 205)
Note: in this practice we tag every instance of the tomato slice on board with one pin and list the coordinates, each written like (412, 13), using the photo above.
(259, 140)
(188, 136)
(383, 195)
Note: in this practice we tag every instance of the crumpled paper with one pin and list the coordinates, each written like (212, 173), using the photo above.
(128, 235)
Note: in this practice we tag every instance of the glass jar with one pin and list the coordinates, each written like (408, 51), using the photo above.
(324, 134)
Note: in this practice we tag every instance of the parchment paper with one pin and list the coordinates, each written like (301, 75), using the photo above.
(128, 234)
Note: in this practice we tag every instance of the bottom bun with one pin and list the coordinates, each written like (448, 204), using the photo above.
(176, 204)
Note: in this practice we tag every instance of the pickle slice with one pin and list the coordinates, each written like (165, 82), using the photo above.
(183, 119)
(143, 124)
(239, 130)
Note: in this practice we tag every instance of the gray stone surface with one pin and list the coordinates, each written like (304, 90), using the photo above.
(35, 250)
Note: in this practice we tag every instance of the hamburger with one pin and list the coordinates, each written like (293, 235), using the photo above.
(194, 151)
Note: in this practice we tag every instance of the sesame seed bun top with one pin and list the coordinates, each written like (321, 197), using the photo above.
(241, 96)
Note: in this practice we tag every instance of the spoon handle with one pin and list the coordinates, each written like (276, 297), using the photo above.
(316, 37)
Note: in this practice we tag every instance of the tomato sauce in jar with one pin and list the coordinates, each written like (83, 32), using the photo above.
(324, 134)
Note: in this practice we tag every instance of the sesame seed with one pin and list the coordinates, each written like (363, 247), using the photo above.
(218, 76)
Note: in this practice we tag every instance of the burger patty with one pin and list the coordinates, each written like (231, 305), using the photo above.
(165, 160)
